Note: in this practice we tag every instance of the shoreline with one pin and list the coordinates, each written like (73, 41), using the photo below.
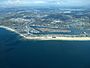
(60, 38)
(12, 30)
(48, 38)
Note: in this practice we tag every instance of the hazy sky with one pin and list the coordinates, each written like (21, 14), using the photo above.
(44, 2)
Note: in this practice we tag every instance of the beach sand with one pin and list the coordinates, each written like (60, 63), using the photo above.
(59, 38)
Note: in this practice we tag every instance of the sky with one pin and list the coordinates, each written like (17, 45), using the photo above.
(44, 2)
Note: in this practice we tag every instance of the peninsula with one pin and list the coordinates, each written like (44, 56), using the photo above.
(47, 23)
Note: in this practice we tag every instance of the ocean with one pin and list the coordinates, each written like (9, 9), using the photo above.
(16, 52)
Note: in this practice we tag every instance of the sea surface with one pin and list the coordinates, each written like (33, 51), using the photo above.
(16, 52)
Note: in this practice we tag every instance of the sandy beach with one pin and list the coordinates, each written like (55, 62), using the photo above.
(47, 38)
(59, 38)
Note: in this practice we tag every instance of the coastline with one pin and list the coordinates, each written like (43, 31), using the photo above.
(60, 38)
(48, 38)
(12, 30)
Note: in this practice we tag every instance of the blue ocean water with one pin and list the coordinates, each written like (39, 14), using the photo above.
(18, 53)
